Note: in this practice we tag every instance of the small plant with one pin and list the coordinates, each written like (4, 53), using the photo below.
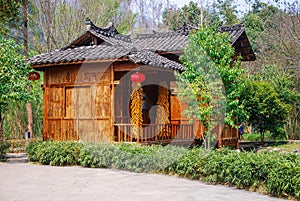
(54, 153)
(3, 148)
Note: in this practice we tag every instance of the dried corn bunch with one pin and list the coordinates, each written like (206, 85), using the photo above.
(136, 109)
(163, 111)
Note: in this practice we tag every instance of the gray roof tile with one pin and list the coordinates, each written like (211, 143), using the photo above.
(80, 54)
(152, 59)
(140, 49)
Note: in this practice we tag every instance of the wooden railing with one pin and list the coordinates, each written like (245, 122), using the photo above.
(154, 133)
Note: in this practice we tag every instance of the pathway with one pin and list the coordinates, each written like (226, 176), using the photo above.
(21, 181)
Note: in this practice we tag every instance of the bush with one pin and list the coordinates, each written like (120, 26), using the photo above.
(54, 153)
(276, 173)
(97, 155)
(126, 156)
(19, 145)
(3, 148)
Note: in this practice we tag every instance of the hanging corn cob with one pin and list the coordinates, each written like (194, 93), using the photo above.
(163, 109)
(136, 118)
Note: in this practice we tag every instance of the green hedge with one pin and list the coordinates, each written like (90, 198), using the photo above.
(276, 173)
(54, 153)
(3, 149)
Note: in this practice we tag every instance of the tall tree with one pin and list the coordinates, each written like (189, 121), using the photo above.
(13, 76)
(61, 21)
(227, 10)
(273, 33)
(212, 82)
(194, 14)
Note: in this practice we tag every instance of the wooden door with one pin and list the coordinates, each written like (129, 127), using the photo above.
(87, 113)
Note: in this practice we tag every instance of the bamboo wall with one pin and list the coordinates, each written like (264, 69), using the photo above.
(78, 102)
(81, 104)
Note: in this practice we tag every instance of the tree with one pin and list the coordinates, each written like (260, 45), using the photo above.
(194, 14)
(211, 83)
(61, 21)
(10, 15)
(13, 76)
(273, 33)
(264, 108)
(227, 11)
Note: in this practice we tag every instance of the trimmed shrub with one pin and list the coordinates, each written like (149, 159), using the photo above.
(3, 148)
(54, 153)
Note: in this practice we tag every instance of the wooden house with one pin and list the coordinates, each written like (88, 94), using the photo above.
(89, 84)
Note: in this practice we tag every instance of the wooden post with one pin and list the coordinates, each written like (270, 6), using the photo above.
(220, 138)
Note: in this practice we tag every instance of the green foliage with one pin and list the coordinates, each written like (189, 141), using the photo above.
(227, 10)
(54, 153)
(4, 146)
(133, 157)
(19, 145)
(9, 14)
(276, 173)
(97, 155)
(212, 82)
(193, 14)
(257, 22)
(264, 108)
(13, 74)
(272, 32)
(255, 137)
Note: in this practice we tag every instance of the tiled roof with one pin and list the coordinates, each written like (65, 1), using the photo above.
(152, 59)
(140, 49)
(161, 42)
(84, 53)
(234, 31)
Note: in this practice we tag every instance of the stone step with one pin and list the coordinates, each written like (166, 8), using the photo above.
(16, 158)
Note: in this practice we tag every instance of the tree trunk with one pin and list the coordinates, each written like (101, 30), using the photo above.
(30, 118)
(25, 30)
(1, 128)
(19, 122)
(262, 138)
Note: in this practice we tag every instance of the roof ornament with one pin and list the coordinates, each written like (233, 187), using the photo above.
(89, 24)
(109, 31)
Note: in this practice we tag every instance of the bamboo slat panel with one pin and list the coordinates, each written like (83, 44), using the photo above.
(84, 102)
(102, 101)
(86, 73)
(55, 100)
(69, 131)
(54, 128)
(103, 130)
(78, 103)
(71, 102)
(86, 130)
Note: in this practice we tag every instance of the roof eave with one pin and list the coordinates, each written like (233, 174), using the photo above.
(45, 65)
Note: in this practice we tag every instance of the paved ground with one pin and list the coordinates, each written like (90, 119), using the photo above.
(21, 181)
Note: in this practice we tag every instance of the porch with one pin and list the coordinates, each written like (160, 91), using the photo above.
(155, 133)
(176, 134)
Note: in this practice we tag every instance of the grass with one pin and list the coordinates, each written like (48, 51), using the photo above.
(290, 147)
(255, 137)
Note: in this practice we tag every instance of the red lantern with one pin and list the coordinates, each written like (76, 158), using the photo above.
(137, 77)
(33, 76)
